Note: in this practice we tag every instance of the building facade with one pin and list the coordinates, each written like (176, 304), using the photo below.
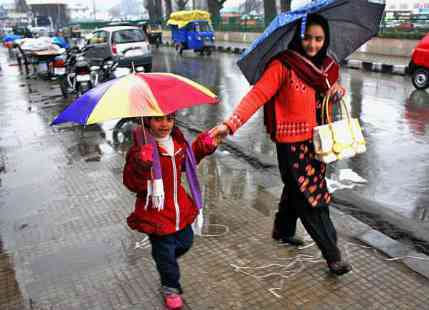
(415, 6)
(55, 9)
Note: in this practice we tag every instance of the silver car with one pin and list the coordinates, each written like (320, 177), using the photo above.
(127, 44)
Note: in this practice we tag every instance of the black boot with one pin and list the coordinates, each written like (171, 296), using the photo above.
(289, 240)
(292, 240)
(339, 268)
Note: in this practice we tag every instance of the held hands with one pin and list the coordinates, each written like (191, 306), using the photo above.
(206, 143)
(219, 133)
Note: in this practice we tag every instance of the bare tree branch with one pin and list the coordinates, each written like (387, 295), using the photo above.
(181, 4)
(270, 11)
(285, 5)
(249, 6)
(168, 8)
(214, 7)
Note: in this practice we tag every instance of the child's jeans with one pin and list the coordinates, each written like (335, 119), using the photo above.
(166, 250)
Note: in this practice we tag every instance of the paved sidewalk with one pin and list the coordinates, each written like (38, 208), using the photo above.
(65, 244)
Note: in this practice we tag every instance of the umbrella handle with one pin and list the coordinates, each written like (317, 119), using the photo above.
(145, 141)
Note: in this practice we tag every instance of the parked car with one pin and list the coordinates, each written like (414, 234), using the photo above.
(419, 64)
(125, 43)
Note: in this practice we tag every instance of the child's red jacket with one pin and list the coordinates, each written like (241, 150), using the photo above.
(179, 207)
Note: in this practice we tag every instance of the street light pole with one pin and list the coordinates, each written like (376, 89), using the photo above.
(93, 9)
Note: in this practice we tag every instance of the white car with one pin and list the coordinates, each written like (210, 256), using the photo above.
(126, 44)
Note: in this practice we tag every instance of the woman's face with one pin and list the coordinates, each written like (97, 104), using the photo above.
(314, 39)
(161, 126)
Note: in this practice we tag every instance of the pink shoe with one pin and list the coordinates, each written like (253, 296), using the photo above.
(173, 301)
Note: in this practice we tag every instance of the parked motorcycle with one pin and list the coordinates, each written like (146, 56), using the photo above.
(107, 70)
(75, 73)
(122, 132)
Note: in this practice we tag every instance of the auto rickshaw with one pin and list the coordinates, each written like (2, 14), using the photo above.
(153, 32)
(192, 30)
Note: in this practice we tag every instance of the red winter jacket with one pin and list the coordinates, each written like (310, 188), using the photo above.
(179, 208)
(294, 104)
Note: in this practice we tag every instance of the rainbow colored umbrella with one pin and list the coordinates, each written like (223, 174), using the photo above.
(136, 95)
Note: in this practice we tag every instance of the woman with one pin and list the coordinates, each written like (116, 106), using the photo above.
(291, 90)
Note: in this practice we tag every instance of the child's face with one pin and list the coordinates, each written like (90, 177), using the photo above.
(314, 39)
(161, 126)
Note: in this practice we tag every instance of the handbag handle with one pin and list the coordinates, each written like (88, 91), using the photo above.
(325, 110)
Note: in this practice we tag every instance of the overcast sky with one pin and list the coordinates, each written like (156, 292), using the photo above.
(102, 4)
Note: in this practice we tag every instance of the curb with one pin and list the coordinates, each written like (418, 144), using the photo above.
(375, 67)
(349, 63)
(219, 48)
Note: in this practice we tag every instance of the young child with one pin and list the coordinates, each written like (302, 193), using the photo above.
(163, 210)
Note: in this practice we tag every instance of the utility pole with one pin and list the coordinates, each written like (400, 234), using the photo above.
(93, 9)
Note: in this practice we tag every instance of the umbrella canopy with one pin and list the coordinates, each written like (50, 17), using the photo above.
(351, 23)
(136, 95)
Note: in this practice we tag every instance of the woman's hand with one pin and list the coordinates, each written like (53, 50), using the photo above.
(336, 90)
(219, 133)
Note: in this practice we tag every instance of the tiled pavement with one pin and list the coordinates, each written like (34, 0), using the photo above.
(65, 243)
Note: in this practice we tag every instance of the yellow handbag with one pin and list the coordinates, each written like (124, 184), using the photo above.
(340, 139)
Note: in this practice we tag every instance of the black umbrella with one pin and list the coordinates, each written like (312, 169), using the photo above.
(351, 23)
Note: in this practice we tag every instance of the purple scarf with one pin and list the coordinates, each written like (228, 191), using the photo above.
(190, 162)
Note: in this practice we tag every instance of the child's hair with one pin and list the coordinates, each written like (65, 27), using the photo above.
(146, 119)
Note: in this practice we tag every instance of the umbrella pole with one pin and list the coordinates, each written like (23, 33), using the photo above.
(144, 131)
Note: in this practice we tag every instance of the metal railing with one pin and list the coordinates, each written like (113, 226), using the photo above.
(407, 28)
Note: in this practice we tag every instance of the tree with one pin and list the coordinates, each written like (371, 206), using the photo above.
(168, 8)
(214, 7)
(21, 6)
(285, 5)
(250, 6)
(270, 11)
(154, 9)
(115, 11)
(181, 4)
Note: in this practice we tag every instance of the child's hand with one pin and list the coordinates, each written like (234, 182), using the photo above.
(219, 133)
(145, 155)
(207, 143)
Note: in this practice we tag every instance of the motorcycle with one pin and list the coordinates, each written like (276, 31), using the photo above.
(107, 70)
(75, 73)
(122, 132)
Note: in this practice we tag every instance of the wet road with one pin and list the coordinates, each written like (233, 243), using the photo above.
(394, 116)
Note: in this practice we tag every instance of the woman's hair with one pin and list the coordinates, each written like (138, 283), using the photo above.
(296, 43)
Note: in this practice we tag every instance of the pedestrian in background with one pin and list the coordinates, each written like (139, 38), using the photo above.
(163, 209)
(291, 90)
